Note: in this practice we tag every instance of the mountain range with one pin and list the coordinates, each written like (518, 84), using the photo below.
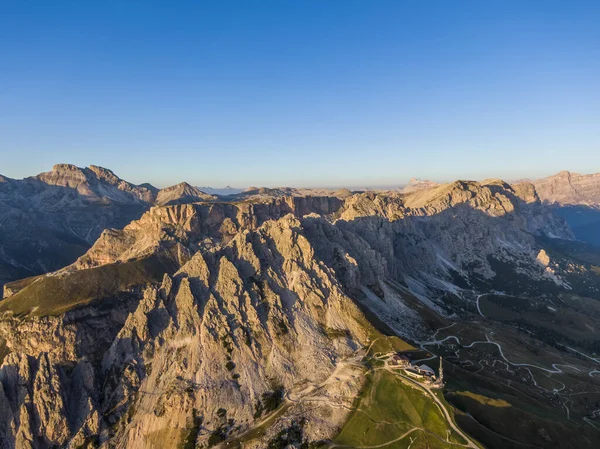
(142, 318)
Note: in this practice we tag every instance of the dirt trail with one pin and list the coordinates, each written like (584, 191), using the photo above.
(401, 437)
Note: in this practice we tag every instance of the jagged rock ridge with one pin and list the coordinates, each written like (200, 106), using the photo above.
(235, 324)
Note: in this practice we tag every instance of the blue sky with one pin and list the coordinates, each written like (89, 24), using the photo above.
(306, 93)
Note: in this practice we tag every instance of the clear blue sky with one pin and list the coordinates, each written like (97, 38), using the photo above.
(307, 93)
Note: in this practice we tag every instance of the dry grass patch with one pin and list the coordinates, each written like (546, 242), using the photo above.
(484, 399)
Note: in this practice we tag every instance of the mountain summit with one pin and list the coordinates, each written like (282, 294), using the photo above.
(416, 184)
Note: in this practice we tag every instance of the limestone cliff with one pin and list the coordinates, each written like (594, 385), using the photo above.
(568, 188)
(576, 198)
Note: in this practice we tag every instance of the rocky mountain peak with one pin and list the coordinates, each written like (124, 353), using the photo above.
(58, 214)
(416, 184)
(526, 191)
(95, 183)
(64, 175)
(182, 187)
(182, 192)
(65, 168)
(105, 174)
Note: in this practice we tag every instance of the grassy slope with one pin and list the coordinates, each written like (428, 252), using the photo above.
(388, 408)
(21, 283)
(389, 344)
(52, 295)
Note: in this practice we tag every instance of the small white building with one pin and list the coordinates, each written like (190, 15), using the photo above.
(413, 372)
(426, 371)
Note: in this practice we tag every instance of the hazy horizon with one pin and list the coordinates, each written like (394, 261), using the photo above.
(301, 93)
(350, 186)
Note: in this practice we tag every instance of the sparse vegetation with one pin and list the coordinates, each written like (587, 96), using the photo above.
(226, 340)
(272, 399)
(247, 336)
(20, 284)
(189, 441)
(387, 408)
(336, 333)
(293, 436)
(258, 409)
(52, 295)
(389, 344)
(282, 328)
(218, 435)
(484, 399)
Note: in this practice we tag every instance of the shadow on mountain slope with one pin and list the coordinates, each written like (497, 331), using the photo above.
(583, 220)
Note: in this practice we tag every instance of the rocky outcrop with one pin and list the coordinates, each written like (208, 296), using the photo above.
(450, 229)
(543, 258)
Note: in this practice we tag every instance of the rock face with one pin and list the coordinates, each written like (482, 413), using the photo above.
(543, 258)
(576, 198)
(49, 220)
(566, 188)
(255, 300)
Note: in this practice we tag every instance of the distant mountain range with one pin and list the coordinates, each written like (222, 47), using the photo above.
(52, 218)
(227, 190)
(416, 184)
